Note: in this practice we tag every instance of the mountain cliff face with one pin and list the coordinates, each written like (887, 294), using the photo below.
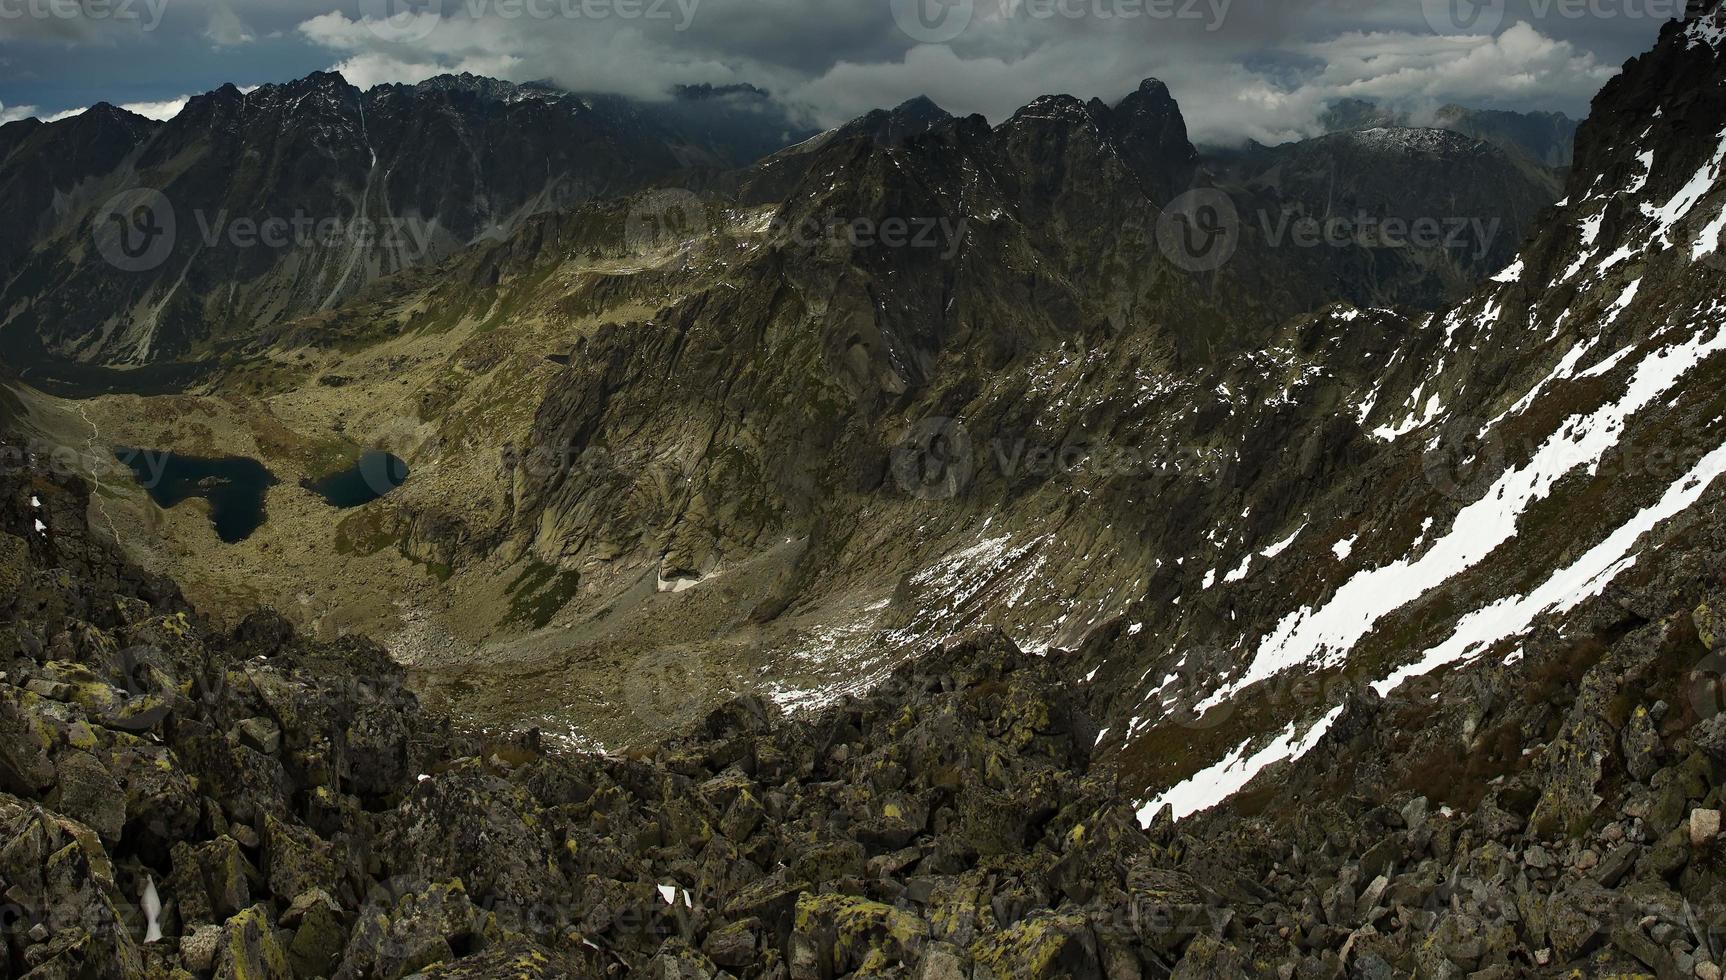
(680, 422)
(1510, 459)
(1544, 138)
(44, 168)
(1547, 138)
(1318, 632)
(169, 241)
(1018, 431)
(251, 803)
(1043, 255)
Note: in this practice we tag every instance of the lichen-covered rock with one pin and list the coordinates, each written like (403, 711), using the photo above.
(250, 948)
(299, 813)
(198, 948)
(1041, 947)
(296, 860)
(836, 935)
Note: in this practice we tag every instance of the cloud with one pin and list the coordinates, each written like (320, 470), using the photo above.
(1258, 69)
(13, 113)
(226, 29)
(628, 57)
(1223, 100)
(1517, 65)
(161, 111)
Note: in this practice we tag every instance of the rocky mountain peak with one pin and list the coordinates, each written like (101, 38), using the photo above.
(1065, 108)
(707, 90)
(1404, 140)
(1152, 135)
(888, 127)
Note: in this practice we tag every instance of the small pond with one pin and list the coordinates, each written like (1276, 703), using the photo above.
(376, 474)
(234, 486)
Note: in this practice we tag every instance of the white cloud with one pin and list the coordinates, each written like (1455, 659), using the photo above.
(1222, 101)
(13, 113)
(1517, 64)
(367, 70)
(161, 111)
(225, 29)
(1259, 78)
(623, 57)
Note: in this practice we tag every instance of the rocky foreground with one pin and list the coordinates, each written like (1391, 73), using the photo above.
(175, 802)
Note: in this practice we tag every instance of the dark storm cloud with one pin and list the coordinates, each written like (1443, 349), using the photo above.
(1262, 69)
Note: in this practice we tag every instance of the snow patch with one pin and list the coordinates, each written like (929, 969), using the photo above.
(1326, 634)
(1568, 587)
(1687, 197)
(1206, 789)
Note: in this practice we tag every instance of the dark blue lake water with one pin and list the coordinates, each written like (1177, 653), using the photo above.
(375, 475)
(234, 486)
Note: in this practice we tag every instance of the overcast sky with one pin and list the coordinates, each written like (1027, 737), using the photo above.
(1262, 69)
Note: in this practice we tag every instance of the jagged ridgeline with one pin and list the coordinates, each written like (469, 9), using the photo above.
(359, 184)
(1387, 643)
(182, 801)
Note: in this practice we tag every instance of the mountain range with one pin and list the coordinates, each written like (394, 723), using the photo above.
(1177, 562)
(361, 184)
(1546, 138)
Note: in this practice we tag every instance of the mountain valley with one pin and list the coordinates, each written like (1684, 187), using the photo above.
(927, 547)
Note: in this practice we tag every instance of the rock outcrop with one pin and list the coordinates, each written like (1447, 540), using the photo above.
(177, 802)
